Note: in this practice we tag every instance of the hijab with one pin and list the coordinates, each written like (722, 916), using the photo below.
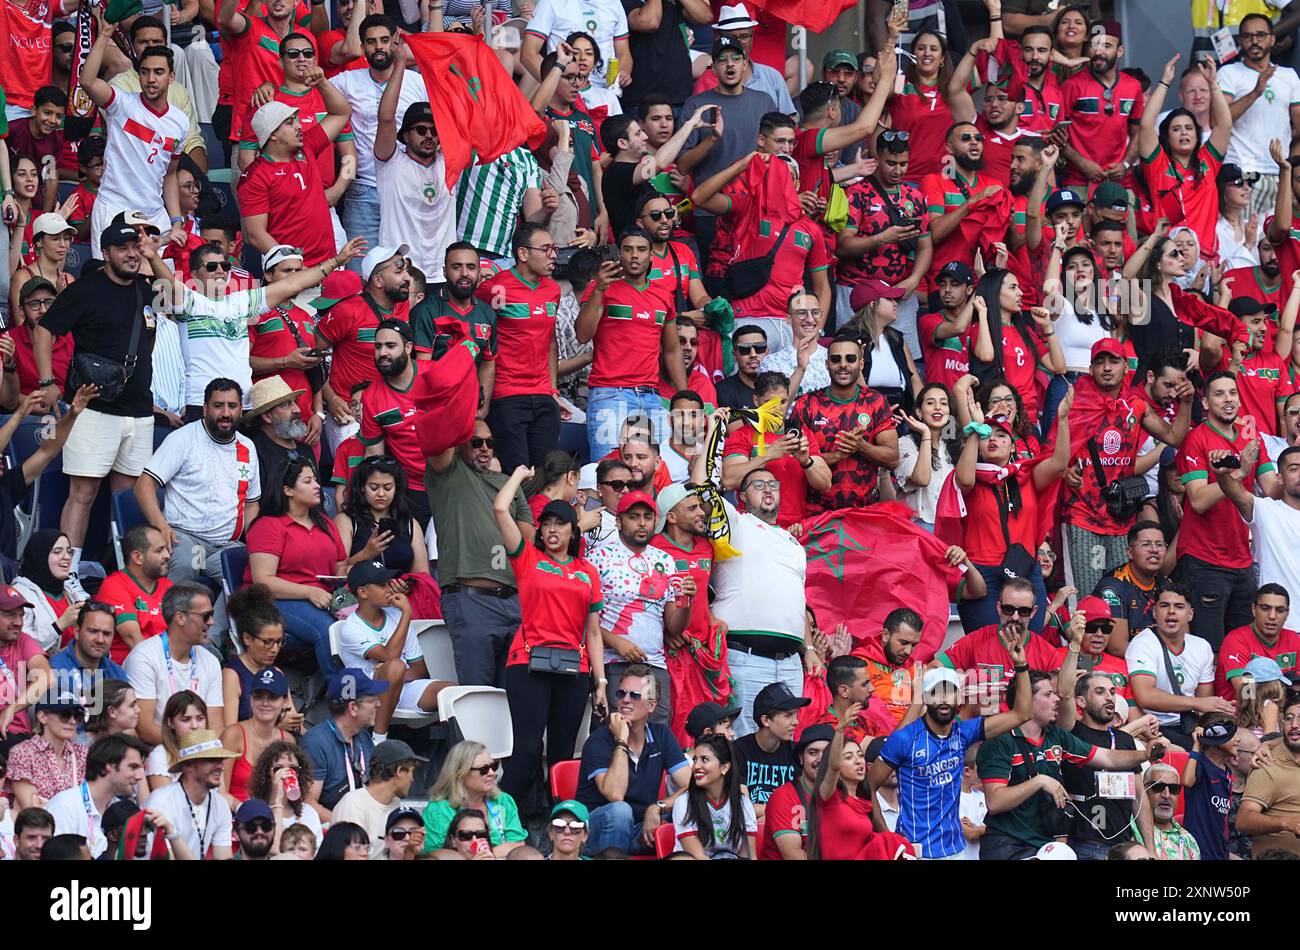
(36, 561)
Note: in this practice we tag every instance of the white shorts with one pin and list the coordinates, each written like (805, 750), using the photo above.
(100, 443)
(409, 701)
(103, 213)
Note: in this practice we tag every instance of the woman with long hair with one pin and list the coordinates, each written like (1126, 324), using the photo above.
(468, 780)
(184, 713)
(555, 480)
(42, 576)
(288, 549)
(467, 835)
(558, 595)
(1180, 170)
(267, 702)
(887, 362)
(261, 633)
(1261, 701)
(270, 780)
(922, 109)
(119, 711)
(1013, 343)
(999, 398)
(1237, 231)
(928, 452)
(26, 185)
(715, 800)
(1070, 292)
(52, 236)
(345, 841)
(1070, 39)
(377, 522)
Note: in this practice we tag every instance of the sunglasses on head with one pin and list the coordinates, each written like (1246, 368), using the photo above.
(660, 215)
(214, 266)
(745, 349)
(477, 442)
(617, 484)
(627, 694)
(572, 827)
(471, 835)
(1009, 611)
(894, 135)
(259, 825)
(485, 770)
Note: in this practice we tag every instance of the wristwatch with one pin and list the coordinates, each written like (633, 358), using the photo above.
(44, 381)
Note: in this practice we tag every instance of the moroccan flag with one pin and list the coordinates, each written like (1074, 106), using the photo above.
(132, 832)
(864, 562)
(699, 674)
(816, 16)
(479, 112)
(447, 411)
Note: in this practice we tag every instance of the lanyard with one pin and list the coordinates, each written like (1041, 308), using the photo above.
(495, 815)
(90, 813)
(171, 669)
(353, 784)
(194, 819)
(7, 673)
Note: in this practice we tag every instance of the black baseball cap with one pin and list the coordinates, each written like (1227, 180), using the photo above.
(724, 43)
(416, 112)
(1218, 733)
(115, 235)
(369, 572)
(1231, 174)
(957, 271)
(1248, 306)
(397, 814)
(558, 508)
(820, 732)
(705, 716)
(776, 697)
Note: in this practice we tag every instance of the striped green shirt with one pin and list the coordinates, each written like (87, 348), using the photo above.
(489, 197)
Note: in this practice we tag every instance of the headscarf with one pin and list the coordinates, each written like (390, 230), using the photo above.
(1197, 276)
(36, 561)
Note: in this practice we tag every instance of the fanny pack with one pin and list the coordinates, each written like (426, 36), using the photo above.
(1017, 562)
(110, 375)
(746, 278)
(1124, 497)
(1186, 720)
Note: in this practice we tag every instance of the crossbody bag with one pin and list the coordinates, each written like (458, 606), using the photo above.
(110, 375)
(746, 278)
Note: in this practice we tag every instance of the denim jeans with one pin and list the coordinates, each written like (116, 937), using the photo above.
(607, 407)
(751, 672)
(308, 626)
(361, 216)
(995, 846)
(980, 613)
(611, 826)
(1094, 850)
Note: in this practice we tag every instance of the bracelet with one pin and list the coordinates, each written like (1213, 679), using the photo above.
(981, 429)
(995, 19)
(1045, 335)
(1022, 669)
(1162, 83)
(45, 381)
(808, 466)
(624, 746)
(602, 681)
(176, 219)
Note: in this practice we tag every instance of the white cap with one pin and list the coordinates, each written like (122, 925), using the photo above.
(377, 255)
(278, 254)
(938, 676)
(1121, 708)
(506, 37)
(51, 223)
(269, 118)
(735, 17)
(1056, 851)
(672, 496)
(587, 477)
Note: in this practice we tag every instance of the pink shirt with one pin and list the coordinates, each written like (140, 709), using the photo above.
(13, 677)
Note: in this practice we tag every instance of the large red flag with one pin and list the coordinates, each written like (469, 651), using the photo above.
(479, 112)
(448, 408)
(816, 16)
(864, 562)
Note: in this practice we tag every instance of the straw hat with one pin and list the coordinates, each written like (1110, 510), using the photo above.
(200, 745)
(268, 393)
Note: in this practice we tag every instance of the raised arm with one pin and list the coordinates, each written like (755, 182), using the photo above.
(1067, 675)
(1000, 723)
(1220, 112)
(99, 91)
(1279, 228)
(291, 286)
(503, 508)
(708, 194)
(1050, 469)
(1148, 140)
(386, 133)
(338, 109)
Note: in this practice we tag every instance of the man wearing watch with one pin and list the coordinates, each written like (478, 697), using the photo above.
(623, 768)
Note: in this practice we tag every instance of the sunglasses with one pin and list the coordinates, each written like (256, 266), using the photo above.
(617, 484)
(300, 52)
(477, 442)
(1100, 626)
(971, 136)
(660, 215)
(259, 826)
(572, 827)
(401, 834)
(471, 835)
(66, 714)
(1171, 787)
(486, 770)
(213, 266)
(423, 130)
(745, 349)
(847, 358)
(205, 615)
(627, 694)
(894, 136)
(1009, 611)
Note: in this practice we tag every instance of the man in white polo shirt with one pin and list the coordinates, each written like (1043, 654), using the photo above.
(1274, 522)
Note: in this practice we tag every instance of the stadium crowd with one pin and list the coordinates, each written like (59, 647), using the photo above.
(939, 500)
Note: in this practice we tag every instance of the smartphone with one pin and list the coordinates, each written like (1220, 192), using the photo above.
(1228, 461)
(1064, 123)
(794, 434)
(712, 115)
(386, 526)
(909, 222)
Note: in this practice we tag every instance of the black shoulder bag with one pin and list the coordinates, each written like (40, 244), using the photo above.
(1186, 720)
(1051, 817)
(896, 217)
(316, 374)
(746, 278)
(1124, 497)
(680, 300)
(110, 375)
(1017, 562)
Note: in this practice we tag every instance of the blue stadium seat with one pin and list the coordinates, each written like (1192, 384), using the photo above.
(66, 188)
(573, 438)
(78, 255)
(126, 514)
(234, 561)
(216, 155)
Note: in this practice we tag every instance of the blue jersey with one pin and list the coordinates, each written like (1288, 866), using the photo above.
(929, 783)
(1205, 808)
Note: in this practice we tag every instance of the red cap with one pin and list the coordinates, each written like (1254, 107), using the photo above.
(1108, 345)
(637, 498)
(870, 291)
(10, 599)
(1001, 422)
(1095, 608)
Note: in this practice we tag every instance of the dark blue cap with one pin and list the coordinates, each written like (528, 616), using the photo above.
(352, 683)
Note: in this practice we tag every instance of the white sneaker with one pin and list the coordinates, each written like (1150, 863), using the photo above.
(74, 589)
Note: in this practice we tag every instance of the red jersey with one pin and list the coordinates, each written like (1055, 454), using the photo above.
(1043, 108)
(346, 459)
(946, 361)
(984, 542)
(629, 336)
(922, 112)
(1020, 355)
(271, 338)
(44, 152)
(723, 248)
(997, 149)
(555, 599)
(130, 601)
(982, 652)
(869, 203)
(808, 153)
(1187, 196)
(821, 416)
(388, 416)
(305, 553)
(30, 49)
(311, 110)
(788, 471)
(25, 357)
(978, 230)
(698, 381)
(785, 814)
(1101, 116)
(325, 43)
(232, 52)
(1116, 427)
(85, 204)
(673, 270)
(1264, 383)
(1107, 663)
(349, 328)
(525, 331)
(1219, 536)
(802, 252)
(698, 563)
(1251, 282)
(1242, 645)
(257, 51)
(292, 197)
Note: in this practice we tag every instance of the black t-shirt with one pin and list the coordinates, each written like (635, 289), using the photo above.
(1105, 816)
(1162, 330)
(273, 461)
(734, 393)
(13, 489)
(671, 73)
(99, 314)
(620, 195)
(764, 772)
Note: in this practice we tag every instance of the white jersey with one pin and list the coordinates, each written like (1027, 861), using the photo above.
(214, 339)
(141, 144)
(208, 484)
(416, 208)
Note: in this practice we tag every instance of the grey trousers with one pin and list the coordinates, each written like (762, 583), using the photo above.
(481, 627)
(193, 558)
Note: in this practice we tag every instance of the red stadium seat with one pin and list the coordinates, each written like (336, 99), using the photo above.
(665, 839)
(564, 780)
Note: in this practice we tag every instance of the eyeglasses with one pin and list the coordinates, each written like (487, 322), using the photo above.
(401, 834)
(627, 694)
(205, 615)
(617, 484)
(1009, 611)
(550, 250)
(1170, 787)
(1244, 37)
(660, 215)
(43, 303)
(271, 643)
(468, 836)
(213, 266)
(745, 349)
(478, 442)
(1151, 546)
(846, 358)
(971, 136)
(571, 827)
(259, 825)
(299, 52)
(814, 312)
(764, 484)
(571, 77)
(485, 770)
